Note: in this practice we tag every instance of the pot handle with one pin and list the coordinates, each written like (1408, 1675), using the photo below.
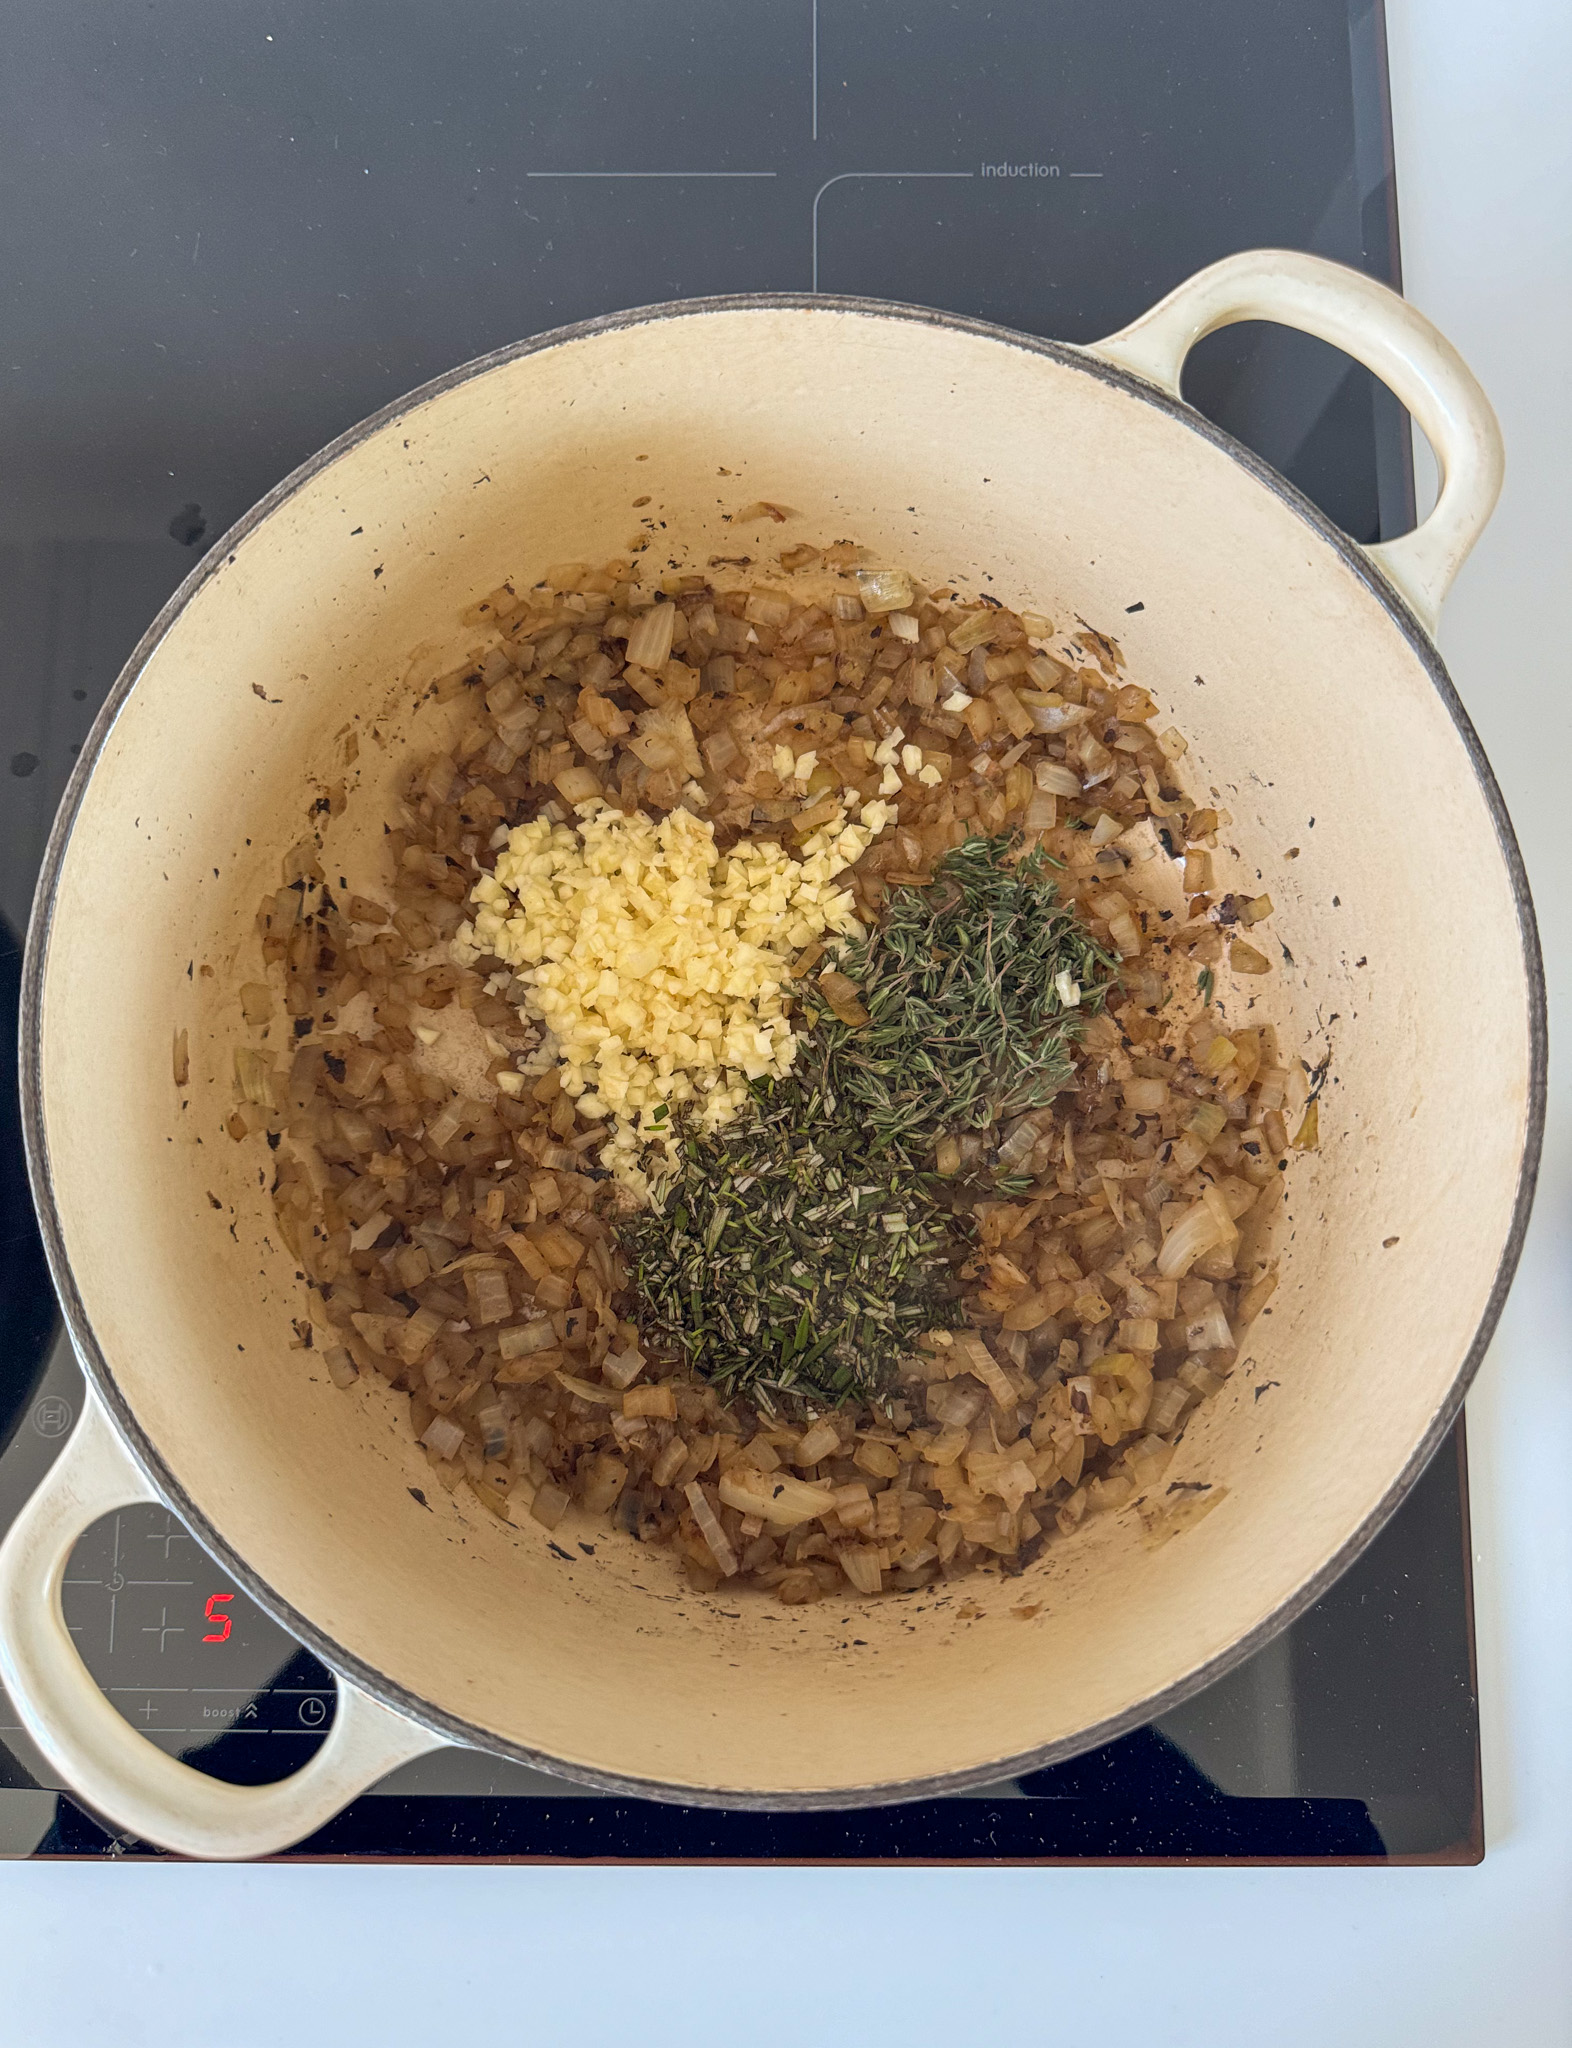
(114, 1769)
(1393, 340)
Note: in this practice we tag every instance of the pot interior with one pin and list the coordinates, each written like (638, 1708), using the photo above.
(1312, 720)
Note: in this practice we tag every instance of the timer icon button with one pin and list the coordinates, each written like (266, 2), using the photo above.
(312, 1711)
(52, 1416)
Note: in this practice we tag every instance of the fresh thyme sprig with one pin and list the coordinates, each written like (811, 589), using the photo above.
(976, 986)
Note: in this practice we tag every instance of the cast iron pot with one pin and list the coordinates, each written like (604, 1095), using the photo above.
(1074, 479)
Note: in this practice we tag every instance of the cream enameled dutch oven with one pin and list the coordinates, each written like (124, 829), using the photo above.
(1072, 478)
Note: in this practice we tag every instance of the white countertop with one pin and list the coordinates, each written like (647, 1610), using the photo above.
(251, 1956)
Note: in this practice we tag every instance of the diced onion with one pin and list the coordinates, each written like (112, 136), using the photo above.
(775, 1497)
(1191, 1238)
(1169, 1402)
(1147, 1460)
(961, 1406)
(361, 1070)
(880, 1459)
(1221, 1053)
(342, 1369)
(860, 1563)
(528, 1371)
(621, 1368)
(550, 1504)
(1210, 1331)
(577, 785)
(1010, 708)
(365, 1237)
(1022, 1140)
(488, 1291)
(1053, 718)
(521, 1340)
(1222, 1215)
(604, 1480)
(767, 607)
(710, 1528)
(443, 1128)
(376, 1330)
(1031, 1311)
(974, 630)
(665, 740)
(973, 1356)
(589, 739)
(817, 1441)
(1056, 779)
(586, 1390)
(659, 1403)
(1003, 1473)
(443, 1436)
(415, 1338)
(1145, 1097)
(884, 590)
(1126, 935)
(493, 1424)
(841, 993)
(649, 644)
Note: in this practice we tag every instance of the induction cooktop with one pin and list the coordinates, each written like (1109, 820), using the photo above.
(234, 232)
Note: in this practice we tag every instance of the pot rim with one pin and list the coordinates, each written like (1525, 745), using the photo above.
(355, 1669)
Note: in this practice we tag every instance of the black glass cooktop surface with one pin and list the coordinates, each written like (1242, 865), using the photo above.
(230, 233)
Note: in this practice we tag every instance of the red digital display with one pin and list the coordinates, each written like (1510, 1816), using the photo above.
(215, 1601)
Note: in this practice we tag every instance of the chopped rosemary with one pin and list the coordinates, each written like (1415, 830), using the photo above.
(797, 1256)
(784, 1276)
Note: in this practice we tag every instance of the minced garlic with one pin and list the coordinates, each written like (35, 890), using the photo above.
(657, 964)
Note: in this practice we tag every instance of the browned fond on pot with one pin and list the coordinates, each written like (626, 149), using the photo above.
(1022, 473)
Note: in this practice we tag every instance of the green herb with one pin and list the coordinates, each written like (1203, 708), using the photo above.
(963, 987)
(786, 1269)
(1205, 982)
(797, 1256)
